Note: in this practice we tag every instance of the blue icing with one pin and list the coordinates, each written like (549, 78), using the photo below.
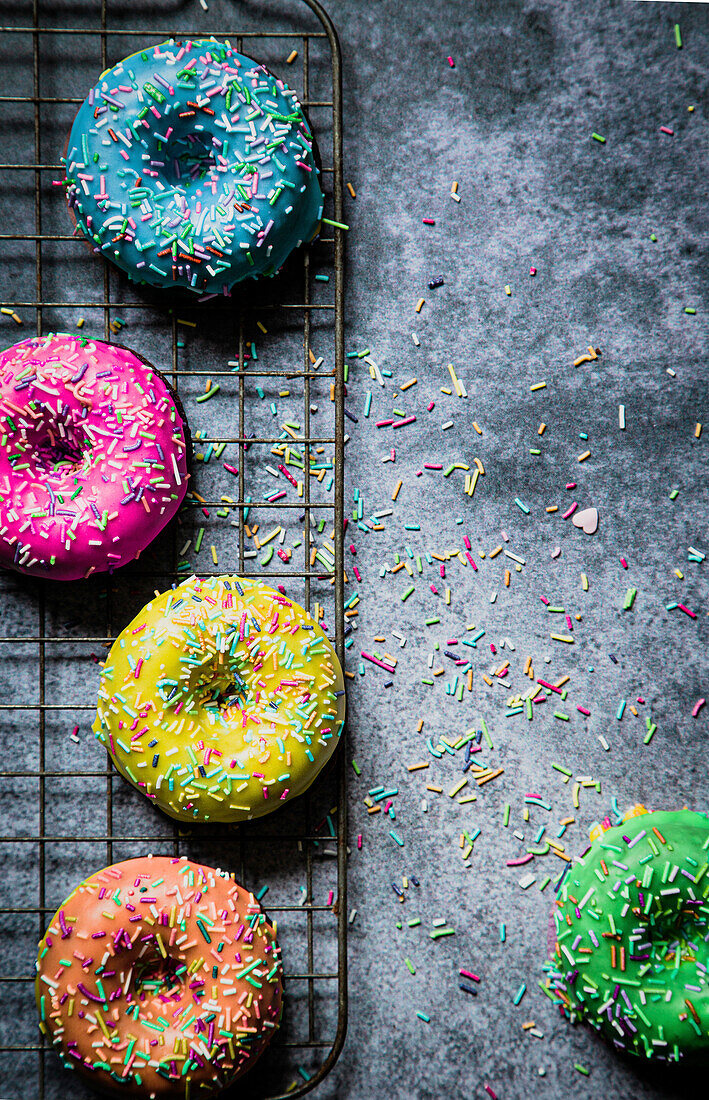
(197, 159)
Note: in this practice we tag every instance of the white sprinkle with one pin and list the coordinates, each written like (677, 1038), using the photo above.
(603, 741)
(621, 416)
(417, 342)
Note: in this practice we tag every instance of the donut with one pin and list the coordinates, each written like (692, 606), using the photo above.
(190, 165)
(159, 977)
(94, 453)
(221, 700)
(632, 936)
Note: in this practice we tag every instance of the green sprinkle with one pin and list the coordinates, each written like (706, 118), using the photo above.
(337, 225)
(689, 309)
(597, 137)
(629, 599)
(405, 595)
(678, 37)
(357, 769)
(506, 815)
(410, 965)
(564, 771)
(582, 1069)
(210, 393)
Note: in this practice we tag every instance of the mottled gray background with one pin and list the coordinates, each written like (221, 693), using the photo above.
(512, 122)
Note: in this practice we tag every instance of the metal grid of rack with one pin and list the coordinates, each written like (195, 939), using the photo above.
(64, 811)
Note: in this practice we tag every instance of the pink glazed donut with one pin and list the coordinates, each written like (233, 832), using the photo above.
(94, 456)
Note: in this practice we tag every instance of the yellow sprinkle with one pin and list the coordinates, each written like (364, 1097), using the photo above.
(495, 552)
(214, 555)
(263, 328)
(398, 485)
(448, 595)
(407, 385)
(438, 790)
(420, 304)
(6, 310)
(679, 573)
(457, 787)
(477, 427)
(454, 185)
(538, 386)
(80, 322)
(584, 582)
(697, 431)
(562, 638)
(16, 317)
(416, 767)
(192, 324)
(508, 290)
(291, 57)
(479, 465)
(542, 428)
(584, 456)
(553, 508)
(454, 380)
(351, 190)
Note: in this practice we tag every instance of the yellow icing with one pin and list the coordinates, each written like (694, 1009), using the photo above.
(211, 718)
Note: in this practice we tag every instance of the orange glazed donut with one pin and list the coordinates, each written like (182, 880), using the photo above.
(159, 978)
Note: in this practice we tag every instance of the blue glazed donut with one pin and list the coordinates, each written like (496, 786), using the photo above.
(191, 165)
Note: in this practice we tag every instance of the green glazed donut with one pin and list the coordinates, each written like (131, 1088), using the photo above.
(632, 937)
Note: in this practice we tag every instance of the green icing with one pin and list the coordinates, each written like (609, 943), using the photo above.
(632, 925)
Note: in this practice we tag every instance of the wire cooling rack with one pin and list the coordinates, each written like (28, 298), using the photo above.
(267, 366)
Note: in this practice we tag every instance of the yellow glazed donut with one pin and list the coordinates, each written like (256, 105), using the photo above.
(221, 700)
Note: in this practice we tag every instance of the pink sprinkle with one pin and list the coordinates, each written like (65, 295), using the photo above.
(469, 974)
(359, 840)
(384, 423)
(692, 614)
(451, 62)
(400, 423)
(571, 485)
(584, 711)
(641, 700)
(570, 511)
(357, 574)
(428, 221)
(431, 406)
(666, 130)
(532, 271)
(697, 707)
(568, 622)
(330, 897)
(544, 600)
(434, 589)
(492, 649)
(489, 1091)
(519, 862)
(624, 563)
(467, 543)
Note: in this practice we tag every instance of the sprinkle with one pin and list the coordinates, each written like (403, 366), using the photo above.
(678, 37)
(597, 137)
(336, 225)
(621, 416)
(291, 57)
(538, 386)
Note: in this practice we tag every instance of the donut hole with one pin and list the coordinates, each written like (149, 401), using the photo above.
(158, 975)
(672, 935)
(189, 157)
(210, 680)
(60, 444)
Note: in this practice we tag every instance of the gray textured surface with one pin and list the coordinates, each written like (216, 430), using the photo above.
(512, 123)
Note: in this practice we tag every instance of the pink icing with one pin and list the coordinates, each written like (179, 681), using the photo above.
(93, 456)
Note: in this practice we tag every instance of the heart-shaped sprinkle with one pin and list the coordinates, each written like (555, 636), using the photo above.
(586, 520)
